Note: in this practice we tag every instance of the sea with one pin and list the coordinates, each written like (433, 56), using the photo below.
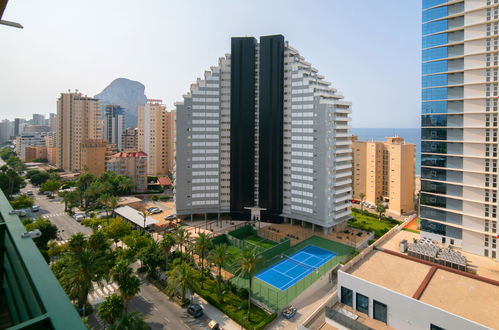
(411, 135)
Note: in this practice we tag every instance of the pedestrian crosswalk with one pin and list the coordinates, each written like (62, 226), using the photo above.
(51, 215)
(101, 292)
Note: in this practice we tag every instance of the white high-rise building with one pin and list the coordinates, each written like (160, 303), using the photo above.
(459, 124)
(264, 129)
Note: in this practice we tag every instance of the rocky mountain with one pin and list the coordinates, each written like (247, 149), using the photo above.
(127, 93)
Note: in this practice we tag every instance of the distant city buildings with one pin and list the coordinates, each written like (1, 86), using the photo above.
(459, 124)
(6, 130)
(264, 129)
(35, 153)
(38, 120)
(114, 122)
(156, 136)
(52, 122)
(19, 124)
(129, 139)
(132, 164)
(28, 140)
(78, 122)
(384, 173)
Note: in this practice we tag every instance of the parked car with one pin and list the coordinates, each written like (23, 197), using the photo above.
(29, 192)
(214, 325)
(35, 208)
(154, 210)
(289, 311)
(195, 310)
(170, 217)
(79, 217)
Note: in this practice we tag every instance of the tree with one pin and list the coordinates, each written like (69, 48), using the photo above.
(129, 287)
(130, 321)
(180, 279)
(143, 214)
(109, 203)
(201, 246)
(249, 261)
(111, 309)
(166, 244)
(220, 258)
(362, 196)
(50, 185)
(181, 238)
(124, 185)
(121, 271)
(136, 241)
(22, 202)
(152, 258)
(117, 229)
(380, 208)
(38, 178)
(10, 182)
(48, 230)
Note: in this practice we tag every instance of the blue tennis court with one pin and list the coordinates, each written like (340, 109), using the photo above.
(292, 269)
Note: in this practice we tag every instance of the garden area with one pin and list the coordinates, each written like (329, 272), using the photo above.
(371, 222)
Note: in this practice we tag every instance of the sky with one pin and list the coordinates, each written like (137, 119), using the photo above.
(369, 50)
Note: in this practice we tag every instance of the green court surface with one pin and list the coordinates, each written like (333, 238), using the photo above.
(259, 241)
(276, 299)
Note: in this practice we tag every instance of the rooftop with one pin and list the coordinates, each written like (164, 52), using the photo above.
(134, 216)
(130, 154)
(469, 296)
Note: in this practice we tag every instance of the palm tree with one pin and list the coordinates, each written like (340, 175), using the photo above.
(130, 321)
(201, 246)
(129, 287)
(180, 279)
(249, 261)
(111, 309)
(166, 245)
(220, 257)
(143, 214)
(121, 271)
(362, 196)
(182, 238)
(380, 208)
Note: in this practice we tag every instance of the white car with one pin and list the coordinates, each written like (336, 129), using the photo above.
(35, 208)
(79, 217)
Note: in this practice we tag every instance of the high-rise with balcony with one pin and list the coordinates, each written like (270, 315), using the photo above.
(114, 124)
(264, 129)
(155, 136)
(459, 123)
(78, 120)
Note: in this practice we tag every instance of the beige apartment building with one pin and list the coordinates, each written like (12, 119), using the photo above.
(132, 164)
(78, 121)
(384, 172)
(156, 136)
(129, 138)
(93, 156)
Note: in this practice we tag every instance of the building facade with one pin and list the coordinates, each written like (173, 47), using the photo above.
(459, 123)
(19, 124)
(129, 138)
(93, 156)
(6, 130)
(114, 124)
(78, 120)
(384, 173)
(264, 129)
(155, 136)
(132, 164)
(38, 119)
(25, 140)
(52, 122)
(35, 153)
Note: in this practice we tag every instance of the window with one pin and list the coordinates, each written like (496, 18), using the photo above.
(346, 296)
(380, 311)
(362, 303)
(435, 327)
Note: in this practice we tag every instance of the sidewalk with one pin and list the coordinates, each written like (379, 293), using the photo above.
(213, 313)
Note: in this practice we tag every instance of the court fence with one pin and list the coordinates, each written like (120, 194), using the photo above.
(276, 299)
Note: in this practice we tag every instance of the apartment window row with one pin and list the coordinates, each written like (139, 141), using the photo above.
(301, 130)
(488, 167)
(489, 58)
(487, 135)
(487, 196)
(196, 188)
(205, 114)
(203, 159)
(487, 150)
(379, 310)
(302, 209)
(204, 136)
(491, 88)
(492, 28)
(195, 203)
(205, 151)
(302, 106)
(302, 193)
(302, 201)
(205, 92)
(492, 13)
(204, 180)
(204, 107)
(302, 146)
(490, 2)
(204, 144)
(490, 226)
(302, 185)
(490, 211)
(491, 104)
(302, 169)
(204, 195)
(488, 181)
(205, 99)
(203, 129)
(204, 165)
(302, 161)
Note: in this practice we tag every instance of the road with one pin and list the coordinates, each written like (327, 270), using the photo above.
(159, 311)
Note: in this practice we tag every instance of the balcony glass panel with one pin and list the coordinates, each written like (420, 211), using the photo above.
(435, 67)
(433, 160)
(434, 187)
(432, 3)
(431, 200)
(434, 27)
(434, 13)
(431, 54)
(434, 120)
(434, 94)
(433, 174)
(434, 107)
(434, 134)
(435, 80)
(434, 147)
(432, 227)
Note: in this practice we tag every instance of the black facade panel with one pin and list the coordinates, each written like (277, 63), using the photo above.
(271, 101)
(242, 126)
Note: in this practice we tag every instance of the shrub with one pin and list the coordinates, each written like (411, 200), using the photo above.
(154, 198)
(243, 293)
(371, 241)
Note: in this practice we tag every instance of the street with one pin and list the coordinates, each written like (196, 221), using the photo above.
(159, 312)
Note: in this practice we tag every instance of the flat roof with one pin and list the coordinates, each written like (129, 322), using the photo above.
(134, 216)
(468, 297)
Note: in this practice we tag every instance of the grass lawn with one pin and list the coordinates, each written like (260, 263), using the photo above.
(231, 305)
(260, 241)
(371, 223)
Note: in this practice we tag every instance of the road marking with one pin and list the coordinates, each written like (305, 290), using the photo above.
(167, 320)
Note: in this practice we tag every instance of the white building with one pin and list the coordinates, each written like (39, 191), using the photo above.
(263, 128)
(31, 140)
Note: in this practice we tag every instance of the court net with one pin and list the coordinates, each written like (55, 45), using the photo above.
(312, 268)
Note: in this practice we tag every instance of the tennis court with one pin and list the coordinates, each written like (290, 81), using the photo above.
(293, 268)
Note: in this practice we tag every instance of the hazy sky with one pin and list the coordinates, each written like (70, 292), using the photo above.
(369, 50)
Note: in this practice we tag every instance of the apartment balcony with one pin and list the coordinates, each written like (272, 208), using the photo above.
(344, 198)
(343, 214)
(342, 191)
(343, 135)
(344, 159)
(343, 167)
(343, 127)
(342, 182)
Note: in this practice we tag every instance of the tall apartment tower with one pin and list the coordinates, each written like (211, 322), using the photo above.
(264, 129)
(459, 123)
(19, 124)
(52, 122)
(129, 139)
(384, 173)
(78, 120)
(38, 119)
(155, 136)
(114, 124)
